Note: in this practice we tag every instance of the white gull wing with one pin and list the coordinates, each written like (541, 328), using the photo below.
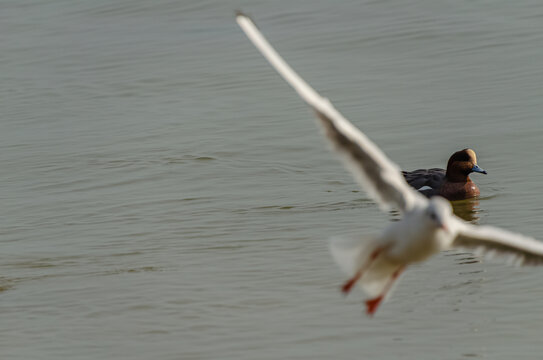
(489, 240)
(379, 176)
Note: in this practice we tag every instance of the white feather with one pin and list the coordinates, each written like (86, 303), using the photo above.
(492, 241)
(351, 253)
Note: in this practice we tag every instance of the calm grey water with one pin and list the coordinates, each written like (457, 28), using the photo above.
(164, 195)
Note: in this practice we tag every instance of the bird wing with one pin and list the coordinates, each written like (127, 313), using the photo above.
(490, 240)
(379, 176)
(432, 178)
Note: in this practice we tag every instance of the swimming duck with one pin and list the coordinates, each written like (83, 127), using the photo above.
(453, 183)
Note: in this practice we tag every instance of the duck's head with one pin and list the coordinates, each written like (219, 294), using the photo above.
(438, 212)
(461, 164)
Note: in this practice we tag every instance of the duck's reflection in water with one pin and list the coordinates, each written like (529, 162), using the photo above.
(467, 210)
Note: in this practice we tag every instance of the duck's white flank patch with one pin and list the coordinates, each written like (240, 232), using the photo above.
(425, 187)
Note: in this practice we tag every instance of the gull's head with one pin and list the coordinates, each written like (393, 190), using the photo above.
(438, 212)
(462, 163)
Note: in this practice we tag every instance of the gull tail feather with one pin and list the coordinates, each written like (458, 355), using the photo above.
(352, 254)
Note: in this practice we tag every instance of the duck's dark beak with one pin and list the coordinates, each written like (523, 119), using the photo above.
(476, 168)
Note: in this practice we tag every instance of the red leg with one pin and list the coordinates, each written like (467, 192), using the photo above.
(373, 304)
(346, 288)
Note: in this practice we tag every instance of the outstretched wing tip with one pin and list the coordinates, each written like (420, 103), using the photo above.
(490, 241)
(239, 13)
(378, 175)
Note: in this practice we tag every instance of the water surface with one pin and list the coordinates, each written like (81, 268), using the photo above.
(165, 195)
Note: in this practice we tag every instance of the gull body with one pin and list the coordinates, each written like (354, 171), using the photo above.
(415, 237)
(427, 226)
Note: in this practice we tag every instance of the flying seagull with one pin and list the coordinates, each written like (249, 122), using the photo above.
(427, 226)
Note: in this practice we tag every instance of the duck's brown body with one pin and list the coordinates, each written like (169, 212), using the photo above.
(459, 190)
